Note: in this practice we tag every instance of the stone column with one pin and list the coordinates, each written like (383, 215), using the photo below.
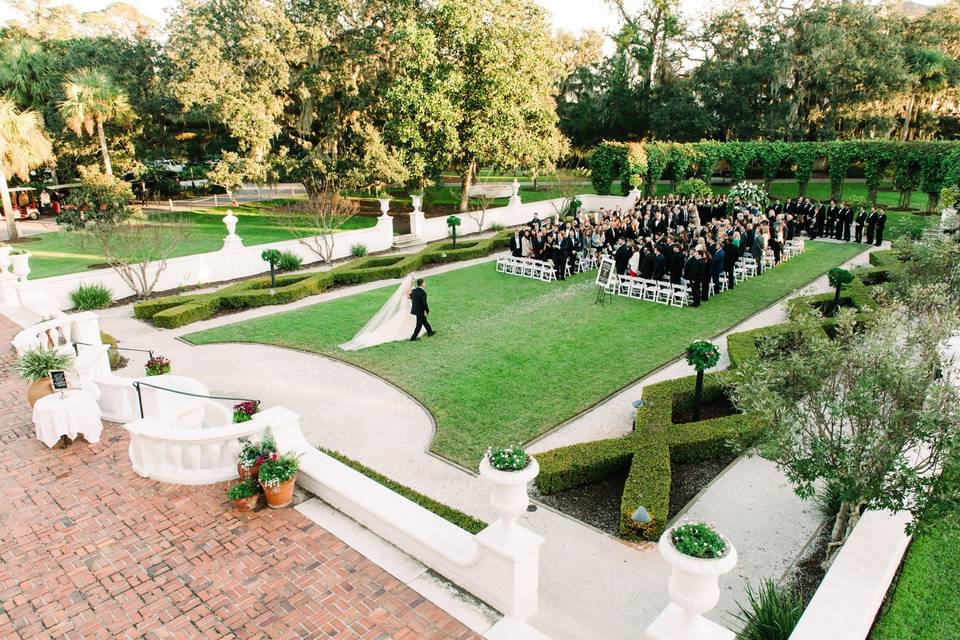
(417, 217)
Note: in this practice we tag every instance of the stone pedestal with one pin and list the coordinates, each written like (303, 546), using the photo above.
(515, 198)
(21, 265)
(673, 618)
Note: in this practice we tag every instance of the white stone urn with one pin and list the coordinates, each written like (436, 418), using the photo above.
(5, 250)
(417, 200)
(694, 589)
(230, 221)
(21, 264)
(515, 198)
(509, 497)
(384, 205)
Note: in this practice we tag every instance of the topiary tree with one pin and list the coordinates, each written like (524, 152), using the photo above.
(273, 257)
(838, 277)
(804, 155)
(839, 155)
(701, 355)
(453, 222)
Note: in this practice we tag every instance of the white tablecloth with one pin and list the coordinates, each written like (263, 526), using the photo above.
(75, 413)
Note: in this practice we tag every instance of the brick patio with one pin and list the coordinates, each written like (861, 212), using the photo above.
(88, 549)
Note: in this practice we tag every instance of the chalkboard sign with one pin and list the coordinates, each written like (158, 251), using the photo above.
(605, 272)
(58, 380)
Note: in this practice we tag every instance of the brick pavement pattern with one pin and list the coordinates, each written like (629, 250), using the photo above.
(88, 549)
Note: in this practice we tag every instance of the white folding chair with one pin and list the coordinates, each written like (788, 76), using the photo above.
(679, 297)
(664, 292)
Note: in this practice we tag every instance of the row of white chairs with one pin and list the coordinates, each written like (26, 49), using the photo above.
(536, 269)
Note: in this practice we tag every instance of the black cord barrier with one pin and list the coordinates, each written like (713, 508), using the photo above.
(137, 384)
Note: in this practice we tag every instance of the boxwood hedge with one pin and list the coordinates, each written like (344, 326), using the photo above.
(647, 452)
(176, 311)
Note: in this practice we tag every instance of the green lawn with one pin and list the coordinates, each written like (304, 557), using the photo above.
(926, 602)
(60, 252)
(515, 357)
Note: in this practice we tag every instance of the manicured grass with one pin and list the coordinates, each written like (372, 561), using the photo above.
(516, 357)
(60, 252)
(925, 605)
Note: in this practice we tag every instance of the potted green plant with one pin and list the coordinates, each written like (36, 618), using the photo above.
(35, 366)
(245, 494)
(278, 475)
(157, 366)
(253, 454)
(509, 469)
(698, 555)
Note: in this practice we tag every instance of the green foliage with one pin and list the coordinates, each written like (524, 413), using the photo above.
(838, 277)
(511, 458)
(358, 250)
(693, 188)
(157, 366)
(702, 355)
(244, 489)
(99, 201)
(91, 296)
(772, 155)
(278, 469)
(254, 453)
(698, 540)
(606, 162)
(771, 612)
(453, 221)
(804, 155)
(462, 520)
(37, 363)
(657, 159)
(270, 255)
(289, 261)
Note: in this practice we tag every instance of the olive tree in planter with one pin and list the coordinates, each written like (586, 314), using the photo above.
(837, 278)
(866, 413)
(273, 257)
(453, 222)
(701, 355)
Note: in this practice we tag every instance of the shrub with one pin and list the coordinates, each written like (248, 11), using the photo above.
(244, 489)
(462, 520)
(157, 366)
(254, 453)
(358, 250)
(278, 469)
(698, 540)
(37, 364)
(289, 261)
(512, 458)
(91, 296)
(693, 188)
(771, 613)
(496, 226)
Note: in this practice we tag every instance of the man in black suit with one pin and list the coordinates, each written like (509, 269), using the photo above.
(420, 308)
(516, 244)
(881, 223)
(871, 224)
(621, 257)
(861, 219)
(730, 256)
(693, 272)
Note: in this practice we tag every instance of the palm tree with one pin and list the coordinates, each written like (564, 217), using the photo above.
(25, 74)
(92, 98)
(931, 71)
(23, 146)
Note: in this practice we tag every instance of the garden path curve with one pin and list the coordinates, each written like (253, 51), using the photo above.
(592, 585)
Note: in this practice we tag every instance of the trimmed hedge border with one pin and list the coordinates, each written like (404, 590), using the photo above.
(170, 312)
(647, 452)
(459, 518)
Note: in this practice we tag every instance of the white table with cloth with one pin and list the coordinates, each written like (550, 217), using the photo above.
(70, 414)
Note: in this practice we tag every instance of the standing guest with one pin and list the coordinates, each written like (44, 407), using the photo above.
(526, 245)
(568, 250)
(707, 259)
(847, 222)
(819, 218)
(516, 244)
(881, 223)
(621, 257)
(677, 260)
(719, 266)
(693, 273)
(633, 265)
(861, 218)
(730, 256)
(872, 224)
(659, 263)
(757, 249)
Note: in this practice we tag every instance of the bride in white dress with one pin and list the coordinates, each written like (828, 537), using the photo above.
(393, 322)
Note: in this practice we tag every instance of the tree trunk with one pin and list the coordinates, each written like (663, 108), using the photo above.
(802, 189)
(838, 534)
(905, 196)
(906, 119)
(696, 396)
(932, 200)
(837, 193)
(836, 299)
(8, 208)
(103, 148)
(466, 183)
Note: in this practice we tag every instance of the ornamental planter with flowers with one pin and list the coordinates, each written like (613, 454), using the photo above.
(698, 556)
(509, 470)
(157, 366)
(278, 475)
(253, 454)
(244, 411)
(245, 494)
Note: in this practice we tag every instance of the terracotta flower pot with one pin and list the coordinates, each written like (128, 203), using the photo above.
(248, 472)
(39, 389)
(246, 504)
(281, 495)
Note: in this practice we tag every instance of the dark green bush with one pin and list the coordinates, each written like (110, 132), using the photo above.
(289, 261)
(459, 518)
(91, 296)
(199, 308)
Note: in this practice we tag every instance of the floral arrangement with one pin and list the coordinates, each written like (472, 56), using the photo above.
(278, 469)
(244, 489)
(244, 411)
(698, 540)
(157, 366)
(512, 458)
(256, 453)
(748, 193)
(703, 354)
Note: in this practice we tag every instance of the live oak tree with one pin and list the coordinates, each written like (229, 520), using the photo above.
(865, 413)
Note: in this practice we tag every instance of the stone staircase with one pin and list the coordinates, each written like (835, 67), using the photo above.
(404, 241)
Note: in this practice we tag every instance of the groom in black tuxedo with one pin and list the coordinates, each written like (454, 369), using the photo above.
(420, 308)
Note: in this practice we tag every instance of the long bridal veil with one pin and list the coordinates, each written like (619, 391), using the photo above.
(392, 322)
